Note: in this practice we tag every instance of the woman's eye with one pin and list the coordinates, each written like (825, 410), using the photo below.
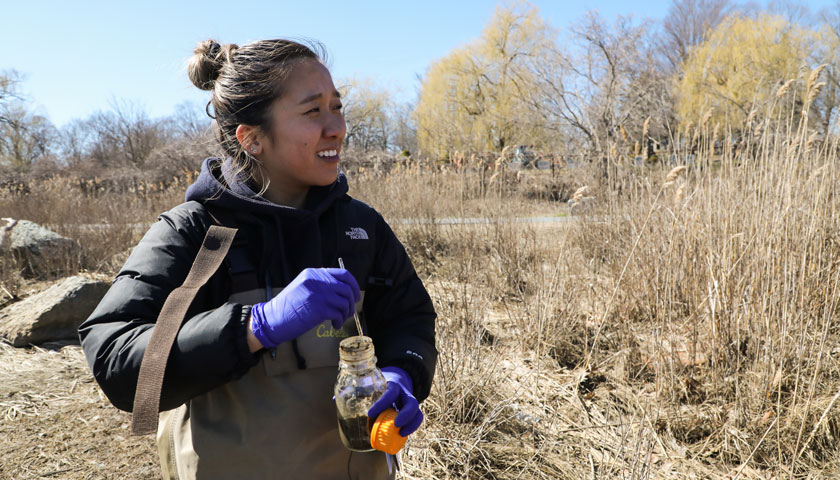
(339, 107)
(316, 109)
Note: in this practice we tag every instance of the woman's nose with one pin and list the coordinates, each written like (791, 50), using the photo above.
(336, 126)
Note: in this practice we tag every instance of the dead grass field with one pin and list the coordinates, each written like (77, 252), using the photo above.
(685, 329)
(57, 424)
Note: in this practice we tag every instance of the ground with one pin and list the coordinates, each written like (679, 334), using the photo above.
(56, 423)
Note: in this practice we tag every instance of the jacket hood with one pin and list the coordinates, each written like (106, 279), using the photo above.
(216, 185)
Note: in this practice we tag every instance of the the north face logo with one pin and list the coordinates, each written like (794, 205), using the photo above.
(357, 233)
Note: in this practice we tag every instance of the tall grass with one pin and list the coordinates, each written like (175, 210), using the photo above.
(107, 218)
(687, 327)
(733, 288)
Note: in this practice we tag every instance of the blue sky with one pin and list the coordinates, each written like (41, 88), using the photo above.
(79, 56)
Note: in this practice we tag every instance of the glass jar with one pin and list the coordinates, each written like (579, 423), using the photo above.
(358, 386)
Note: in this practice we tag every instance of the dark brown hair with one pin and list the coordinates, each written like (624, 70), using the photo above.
(244, 82)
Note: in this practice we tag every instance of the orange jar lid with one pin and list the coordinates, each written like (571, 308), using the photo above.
(384, 435)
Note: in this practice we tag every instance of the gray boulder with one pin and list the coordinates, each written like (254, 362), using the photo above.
(54, 314)
(41, 251)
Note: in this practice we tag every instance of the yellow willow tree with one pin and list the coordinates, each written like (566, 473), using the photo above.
(472, 99)
(740, 70)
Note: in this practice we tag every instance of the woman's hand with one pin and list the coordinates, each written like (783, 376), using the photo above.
(399, 394)
(315, 295)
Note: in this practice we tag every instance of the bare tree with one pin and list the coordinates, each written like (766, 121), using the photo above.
(189, 121)
(830, 98)
(366, 111)
(125, 135)
(794, 11)
(601, 81)
(686, 25)
(405, 127)
(9, 82)
(74, 142)
(25, 137)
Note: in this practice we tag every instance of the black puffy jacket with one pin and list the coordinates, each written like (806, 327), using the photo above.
(211, 349)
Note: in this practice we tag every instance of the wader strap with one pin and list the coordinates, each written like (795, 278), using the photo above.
(215, 246)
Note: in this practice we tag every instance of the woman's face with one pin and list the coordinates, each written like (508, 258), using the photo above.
(307, 129)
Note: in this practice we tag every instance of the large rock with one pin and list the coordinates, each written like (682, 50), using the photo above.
(41, 251)
(54, 314)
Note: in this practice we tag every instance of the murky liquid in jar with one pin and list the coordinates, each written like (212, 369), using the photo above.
(355, 432)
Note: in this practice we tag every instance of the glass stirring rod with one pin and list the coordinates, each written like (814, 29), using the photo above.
(355, 315)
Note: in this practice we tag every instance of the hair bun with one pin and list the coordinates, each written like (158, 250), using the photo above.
(206, 63)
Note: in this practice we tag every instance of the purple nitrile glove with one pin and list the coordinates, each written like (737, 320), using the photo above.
(315, 295)
(399, 394)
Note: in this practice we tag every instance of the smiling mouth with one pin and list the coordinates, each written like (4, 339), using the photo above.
(328, 154)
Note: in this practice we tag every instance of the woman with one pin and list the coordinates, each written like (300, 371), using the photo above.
(248, 386)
